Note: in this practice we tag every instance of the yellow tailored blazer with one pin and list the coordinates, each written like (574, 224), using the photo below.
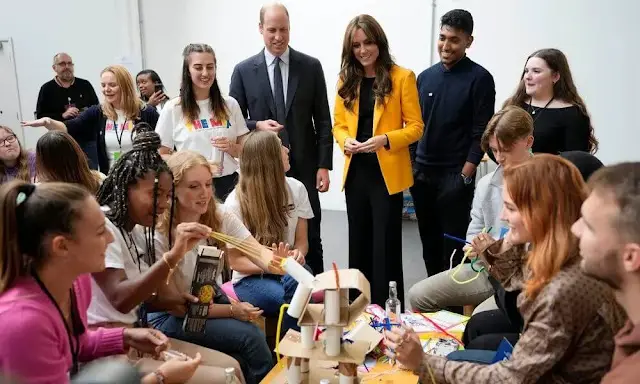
(400, 118)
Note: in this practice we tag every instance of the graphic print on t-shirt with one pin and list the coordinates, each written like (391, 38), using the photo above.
(196, 125)
(119, 130)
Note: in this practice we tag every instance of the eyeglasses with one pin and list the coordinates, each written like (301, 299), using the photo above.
(8, 140)
(65, 64)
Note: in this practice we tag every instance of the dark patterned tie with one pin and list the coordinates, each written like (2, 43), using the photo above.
(278, 91)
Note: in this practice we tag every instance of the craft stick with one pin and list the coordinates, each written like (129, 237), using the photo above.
(253, 252)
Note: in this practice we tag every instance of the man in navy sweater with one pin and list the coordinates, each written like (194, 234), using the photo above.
(457, 97)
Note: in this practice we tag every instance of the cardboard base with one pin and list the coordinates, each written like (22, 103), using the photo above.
(318, 370)
(291, 345)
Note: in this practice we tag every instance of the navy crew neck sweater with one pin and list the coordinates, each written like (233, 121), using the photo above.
(456, 104)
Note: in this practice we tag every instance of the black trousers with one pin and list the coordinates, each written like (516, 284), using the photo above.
(314, 258)
(485, 330)
(443, 205)
(375, 228)
(224, 185)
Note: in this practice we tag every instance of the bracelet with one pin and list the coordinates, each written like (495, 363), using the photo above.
(231, 310)
(171, 269)
(159, 376)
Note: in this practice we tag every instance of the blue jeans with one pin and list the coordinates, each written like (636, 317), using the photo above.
(239, 339)
(269, 292)
(473, 355)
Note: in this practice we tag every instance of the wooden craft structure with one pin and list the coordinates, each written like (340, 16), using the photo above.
(334, 314)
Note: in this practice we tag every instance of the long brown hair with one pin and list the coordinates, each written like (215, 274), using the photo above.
(180, 163)
(262, 189)
(130, 103)
(352, 72)
(508, 125)
(548, 192)
(564, 89)
(60, 158)
(29, 215)
(23, 160)
(188, 103)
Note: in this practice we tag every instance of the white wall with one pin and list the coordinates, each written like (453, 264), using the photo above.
(94, 33)
(595, 36)
(233, 34)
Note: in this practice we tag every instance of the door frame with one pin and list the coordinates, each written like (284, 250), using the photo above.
(12, 54)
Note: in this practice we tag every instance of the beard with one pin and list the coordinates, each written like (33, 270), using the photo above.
(606, 270)
(66, 76)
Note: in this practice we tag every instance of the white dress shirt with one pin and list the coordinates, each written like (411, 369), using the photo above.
(284, 69)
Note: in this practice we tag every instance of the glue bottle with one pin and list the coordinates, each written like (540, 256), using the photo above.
(392, 306)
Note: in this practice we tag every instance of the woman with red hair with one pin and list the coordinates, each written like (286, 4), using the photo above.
(569, 319)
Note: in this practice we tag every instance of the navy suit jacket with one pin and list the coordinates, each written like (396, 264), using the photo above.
(308, 121)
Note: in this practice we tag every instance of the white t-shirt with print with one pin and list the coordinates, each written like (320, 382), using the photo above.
(230, 225)
(117, 139)
(120, 254)
(196, 135)
(301, 209)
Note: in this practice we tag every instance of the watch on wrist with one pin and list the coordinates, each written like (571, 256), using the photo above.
(466, 179)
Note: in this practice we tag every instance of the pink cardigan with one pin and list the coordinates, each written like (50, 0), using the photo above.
(34, 345)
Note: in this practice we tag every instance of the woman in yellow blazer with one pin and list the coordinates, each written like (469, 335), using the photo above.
(377, 117)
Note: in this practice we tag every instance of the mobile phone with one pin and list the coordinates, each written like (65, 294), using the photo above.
(158, 87)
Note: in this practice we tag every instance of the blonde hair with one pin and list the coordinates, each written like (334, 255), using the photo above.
(262, 189)
(130, 103)
(180, 163)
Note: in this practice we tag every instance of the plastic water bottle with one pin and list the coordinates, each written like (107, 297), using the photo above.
(230, 376)
(392, 306)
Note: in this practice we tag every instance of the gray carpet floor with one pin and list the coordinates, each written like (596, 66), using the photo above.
(335, 241)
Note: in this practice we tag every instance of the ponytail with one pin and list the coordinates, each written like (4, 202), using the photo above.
(29, 215)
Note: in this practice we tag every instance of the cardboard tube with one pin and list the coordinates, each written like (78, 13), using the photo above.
(297, 271)
(299, 301)
(304, 366)
(331, 307)
(294, 375)
(347, 379)
(332, 341)
(306, 332)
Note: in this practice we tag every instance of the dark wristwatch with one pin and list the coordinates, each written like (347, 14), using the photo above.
(466, 179)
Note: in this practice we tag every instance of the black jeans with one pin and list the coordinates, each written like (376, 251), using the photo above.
(224, 185)
(375, 228)
(314, 258)
(443, 205)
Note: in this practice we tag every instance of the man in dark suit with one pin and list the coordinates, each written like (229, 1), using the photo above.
(284, 91)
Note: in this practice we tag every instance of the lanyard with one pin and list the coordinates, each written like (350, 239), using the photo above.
(142, 310)
(122, 129)
(72, 333)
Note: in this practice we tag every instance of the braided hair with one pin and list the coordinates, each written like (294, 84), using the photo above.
(131, 166)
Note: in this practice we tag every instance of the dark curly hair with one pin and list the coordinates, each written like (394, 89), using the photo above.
(130, 167)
